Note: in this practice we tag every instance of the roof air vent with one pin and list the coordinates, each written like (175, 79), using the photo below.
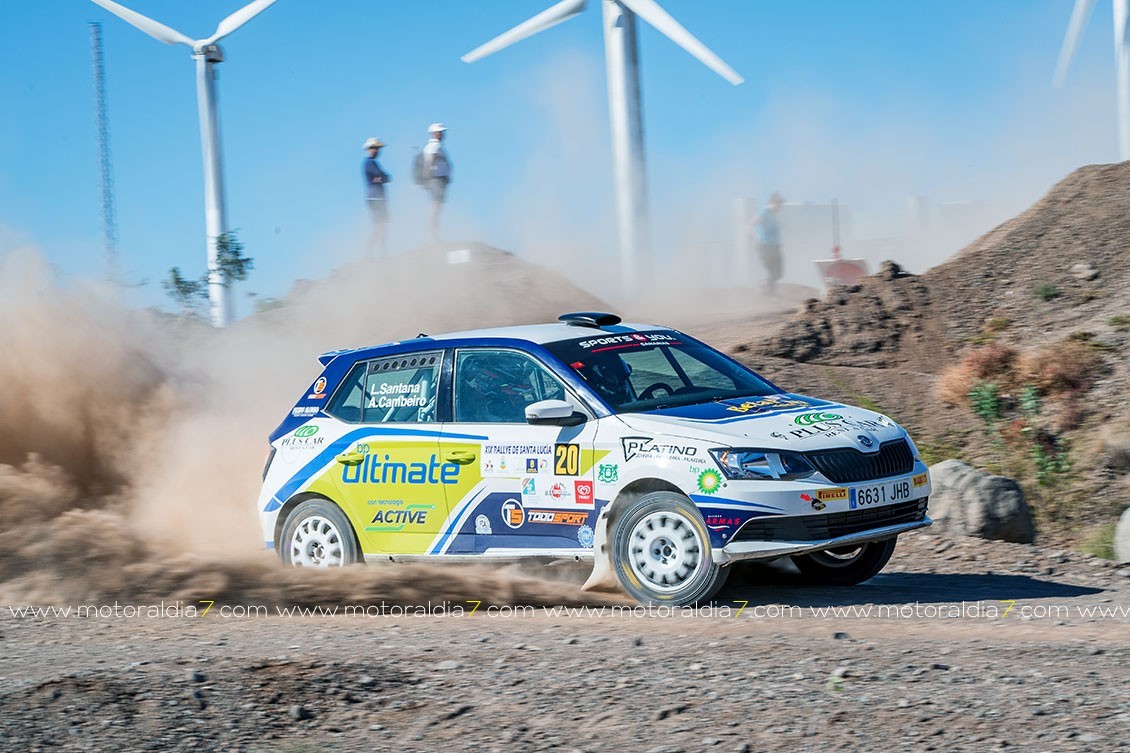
(595, 319)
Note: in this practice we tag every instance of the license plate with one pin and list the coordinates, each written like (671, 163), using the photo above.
(887, 493)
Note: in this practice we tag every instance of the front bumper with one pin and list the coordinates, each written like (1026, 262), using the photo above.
(763, 550)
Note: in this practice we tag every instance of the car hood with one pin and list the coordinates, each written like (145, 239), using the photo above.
(782, 421)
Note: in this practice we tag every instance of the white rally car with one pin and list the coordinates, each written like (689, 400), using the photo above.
(638, 447)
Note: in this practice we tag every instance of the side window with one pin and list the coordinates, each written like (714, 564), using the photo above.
(401, 389)
(495, 386)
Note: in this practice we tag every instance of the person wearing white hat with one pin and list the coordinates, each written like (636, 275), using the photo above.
(375, 181)
(437, 172)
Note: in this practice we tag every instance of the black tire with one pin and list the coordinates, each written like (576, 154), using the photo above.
(318, 534)
(661, 552)
(845, 566)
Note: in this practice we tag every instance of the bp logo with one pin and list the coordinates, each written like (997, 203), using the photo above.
(709, 481)
(808, 419)
(306, 431)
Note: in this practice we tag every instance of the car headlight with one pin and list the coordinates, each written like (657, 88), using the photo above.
(766, 465)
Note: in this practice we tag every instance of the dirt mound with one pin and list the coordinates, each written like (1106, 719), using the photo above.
(882, 322)
(1062, 265)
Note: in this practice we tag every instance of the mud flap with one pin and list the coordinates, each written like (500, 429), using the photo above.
(602, 578)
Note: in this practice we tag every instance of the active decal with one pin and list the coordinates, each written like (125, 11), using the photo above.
(396, 520)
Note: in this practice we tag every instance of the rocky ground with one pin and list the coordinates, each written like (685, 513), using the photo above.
(795, 669)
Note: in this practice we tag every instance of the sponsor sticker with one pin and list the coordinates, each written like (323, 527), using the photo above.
(513, 514)
(608, 474)
(919, 480)
(816, 504)
(808, 419)
(769, 402)
(709, 481)
(482, 525)
(557, 517)
(319, 390)
(583, 492)
(585, 536)
(646, 447)
(305, 411)
(832, 495)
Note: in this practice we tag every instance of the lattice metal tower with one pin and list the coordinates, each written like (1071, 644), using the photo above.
(105, 164)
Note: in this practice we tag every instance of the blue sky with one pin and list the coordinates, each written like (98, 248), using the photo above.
(867, 101)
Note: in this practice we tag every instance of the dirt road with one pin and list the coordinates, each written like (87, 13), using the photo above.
(959, 645)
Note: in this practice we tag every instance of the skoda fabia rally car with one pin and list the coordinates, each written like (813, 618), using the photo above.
(638, 447)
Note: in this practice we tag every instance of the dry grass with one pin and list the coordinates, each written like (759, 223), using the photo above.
(1068, 366)
(988, 363)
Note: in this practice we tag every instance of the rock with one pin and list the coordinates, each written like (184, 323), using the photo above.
(195, 675)
(840, 636)
(970, 502)
(1122, 541)
(1084, 271)
(443, 666)
(299, 712)
(1114, 447)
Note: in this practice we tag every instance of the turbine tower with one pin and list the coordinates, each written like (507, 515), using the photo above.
(621, 53)
(207, 54)
(1080, 14)
(105, 164)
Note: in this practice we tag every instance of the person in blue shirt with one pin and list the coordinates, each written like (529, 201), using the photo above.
(375, 181)
(768, 226)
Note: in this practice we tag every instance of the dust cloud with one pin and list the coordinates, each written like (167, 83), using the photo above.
(132, 442)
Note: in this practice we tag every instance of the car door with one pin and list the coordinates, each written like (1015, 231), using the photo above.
(525, 489)
(388, 472)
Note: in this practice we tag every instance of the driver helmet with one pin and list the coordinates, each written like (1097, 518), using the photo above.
(608, 375)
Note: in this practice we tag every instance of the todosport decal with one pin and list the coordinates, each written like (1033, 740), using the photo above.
(299, 479)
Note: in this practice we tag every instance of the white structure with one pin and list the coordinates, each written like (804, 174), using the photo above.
(1079, 17)
(622, 63)
(207, 54)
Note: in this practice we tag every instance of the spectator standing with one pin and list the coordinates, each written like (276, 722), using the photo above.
(375, 181)
(437, 172)
(768, 226)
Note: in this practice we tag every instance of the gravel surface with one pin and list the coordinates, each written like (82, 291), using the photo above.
(936, 670)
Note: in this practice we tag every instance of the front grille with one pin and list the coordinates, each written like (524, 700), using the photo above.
(831, 525)
(849, 466)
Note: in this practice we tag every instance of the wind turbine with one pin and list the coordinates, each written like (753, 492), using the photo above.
(621, 54)
(207, 54)
(1080, 14)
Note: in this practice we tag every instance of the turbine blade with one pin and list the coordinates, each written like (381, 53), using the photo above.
(1079, 17)
(158, 31)
(650, 11)
(552, 16)
(237, 19)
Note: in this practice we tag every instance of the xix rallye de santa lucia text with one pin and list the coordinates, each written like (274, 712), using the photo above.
(661, 459)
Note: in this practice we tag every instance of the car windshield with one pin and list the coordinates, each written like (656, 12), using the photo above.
(643, 371)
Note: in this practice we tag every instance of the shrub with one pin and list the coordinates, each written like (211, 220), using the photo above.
(991, 362)
(1063, 367)
(1046, 291)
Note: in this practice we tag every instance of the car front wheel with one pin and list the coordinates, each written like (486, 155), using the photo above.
(317, 534)
(661, 552)
(846, 565)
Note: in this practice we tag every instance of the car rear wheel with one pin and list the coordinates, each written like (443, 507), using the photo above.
(846, 565)
(317, 534)
(661, 552)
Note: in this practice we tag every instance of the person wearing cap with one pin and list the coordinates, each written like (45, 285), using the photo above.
(375, 180)
(437, 172)
(768, 226)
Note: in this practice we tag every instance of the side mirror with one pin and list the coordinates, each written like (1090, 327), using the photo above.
(554, 413)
